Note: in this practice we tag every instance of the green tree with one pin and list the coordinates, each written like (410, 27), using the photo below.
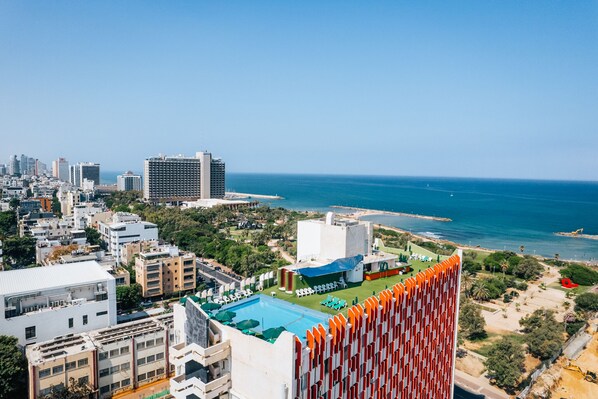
(8, 223)
(505, 363)
(128, 297)
(75, 390)
(14, 203)
(528, 269)
(543, 334)
(586, 302)
(93, 236)
(56, 208)
(471, 321)
(479, 290)
(19, 252)
(580, 274)
(13, 369)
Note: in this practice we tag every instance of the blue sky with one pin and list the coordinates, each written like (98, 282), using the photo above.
(461, 88)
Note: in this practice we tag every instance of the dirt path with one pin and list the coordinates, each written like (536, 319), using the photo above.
(273, 244)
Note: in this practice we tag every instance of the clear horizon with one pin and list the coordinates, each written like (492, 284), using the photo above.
(503, 90)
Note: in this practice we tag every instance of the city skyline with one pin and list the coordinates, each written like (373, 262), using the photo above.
(307, 88)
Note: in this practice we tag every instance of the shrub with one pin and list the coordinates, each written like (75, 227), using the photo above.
(580, 274)
(587, 302)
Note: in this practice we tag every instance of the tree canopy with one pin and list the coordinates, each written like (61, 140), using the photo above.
(19, 252)
(543, 334)
(471, 321)
(13, 369)
(587, 302)
(505, 362)
(580, 274)
(128, 297)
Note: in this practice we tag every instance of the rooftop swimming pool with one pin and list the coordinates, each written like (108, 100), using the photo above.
(272, 312)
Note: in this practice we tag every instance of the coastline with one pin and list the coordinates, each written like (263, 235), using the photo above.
(572, 235)
(365, 212)
(231, 195)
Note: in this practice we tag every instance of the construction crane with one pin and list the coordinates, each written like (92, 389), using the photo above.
(588, 376)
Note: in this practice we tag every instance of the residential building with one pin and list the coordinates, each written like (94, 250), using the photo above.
(165, 270)
(128, 182)
(14, 165)
(3, 169)
(40, 303)
(60, 169)
(112, 361)
(183, 178)
(124, 228)
(132, 249)
(83, 210)
(400, 343)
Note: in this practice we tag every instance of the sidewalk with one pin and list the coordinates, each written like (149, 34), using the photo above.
(479, 385)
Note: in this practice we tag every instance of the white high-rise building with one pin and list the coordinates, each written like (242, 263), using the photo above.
(86, 170)
(128, 182)
(183, 178)
(124, 228)
(60, 169)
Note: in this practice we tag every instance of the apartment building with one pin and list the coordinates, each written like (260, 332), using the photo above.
(85, 170)
(124, 228)
(128, 182)
(40, 303)
(60, 169)
(183, 178)
(165, 270)
(112, 361)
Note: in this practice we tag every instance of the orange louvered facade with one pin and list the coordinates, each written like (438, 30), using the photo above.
(399, 345)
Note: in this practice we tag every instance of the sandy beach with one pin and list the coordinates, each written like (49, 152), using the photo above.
(359, 212)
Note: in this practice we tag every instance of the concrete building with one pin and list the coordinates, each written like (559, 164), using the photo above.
(165, 270)
(124, 228)
(183, 178)
(131, 250)
(128, 182)
(398, 344)
(60, 169)
(82, 171)
(40, 303)
(112, 361)
(83, 211)
(14, 165)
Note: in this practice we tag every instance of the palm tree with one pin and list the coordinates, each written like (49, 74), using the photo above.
(480, 290)
(466, 283)
(504, 265)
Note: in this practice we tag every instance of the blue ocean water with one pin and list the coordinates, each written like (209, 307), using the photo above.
(492, 213)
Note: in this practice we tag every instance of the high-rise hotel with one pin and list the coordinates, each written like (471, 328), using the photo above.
(183, 178)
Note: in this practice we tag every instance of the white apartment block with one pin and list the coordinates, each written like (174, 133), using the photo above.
(128, 182)
(82, 211)
(124, 228)
(333, 239)
(41, 303)
(113, 361)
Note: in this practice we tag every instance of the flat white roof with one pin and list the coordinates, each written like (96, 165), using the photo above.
(49, 277)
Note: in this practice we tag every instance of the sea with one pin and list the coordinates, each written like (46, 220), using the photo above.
(501, 214)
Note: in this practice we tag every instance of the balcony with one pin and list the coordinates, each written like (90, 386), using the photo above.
(184, 385)
(181, 353)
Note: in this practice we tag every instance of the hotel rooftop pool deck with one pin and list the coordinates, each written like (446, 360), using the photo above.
(272, 312)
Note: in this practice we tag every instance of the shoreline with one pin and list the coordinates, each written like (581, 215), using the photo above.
(359, 212)
(231, 195)
(572, 235)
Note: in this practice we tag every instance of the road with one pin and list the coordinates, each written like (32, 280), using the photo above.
(208, 272)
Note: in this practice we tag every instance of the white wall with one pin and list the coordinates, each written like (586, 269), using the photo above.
(308, 240)
(317, 240)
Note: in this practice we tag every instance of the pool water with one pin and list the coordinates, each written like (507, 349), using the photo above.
(272, 312)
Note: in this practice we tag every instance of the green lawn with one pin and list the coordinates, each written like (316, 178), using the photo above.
(577, 291)
(361, 291)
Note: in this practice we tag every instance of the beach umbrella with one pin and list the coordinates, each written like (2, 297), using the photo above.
(183, 300)
(247, 324)
(273, 333)
(194, 298)
(209, 306)
(225, 316)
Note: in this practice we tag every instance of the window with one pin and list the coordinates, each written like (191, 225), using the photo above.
(140, 361)
(125, 366)
(149, 343)
(104, 389)
(44, 373)
(125, 382)
(57, 369)
(159, 341)
(71, 322)
(151, 374)
(71, 365)
(124, 350)
(160, 356)
(160, 371)
(115, 386)
(140, 345)
(114, 369)
(114, 353)
(102, 313)
(29, 332)
(84, 380)
(103, 355)
(45, 391)
(82, 362)
(84, 319)
(104, 372)
(141, 377)
(151, 358)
